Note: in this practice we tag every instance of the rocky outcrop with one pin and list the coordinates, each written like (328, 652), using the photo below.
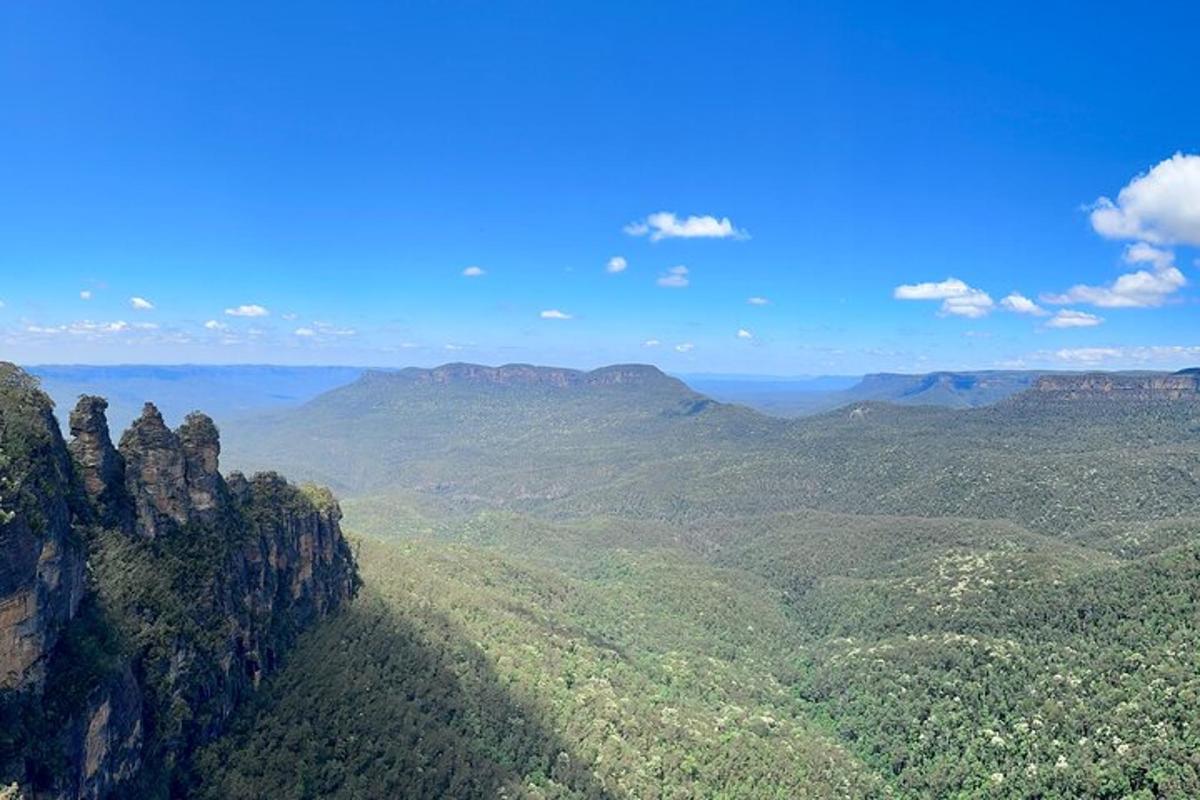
(1183, 385)
(100, 466)
(198, 589)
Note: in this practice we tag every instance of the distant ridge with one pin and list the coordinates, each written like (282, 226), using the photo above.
(528, 375)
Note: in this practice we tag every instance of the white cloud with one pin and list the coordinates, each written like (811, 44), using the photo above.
(744, 334)
(554, 313)
(249, 310)
(958, 299)
(307, 333)
(666, 225)
(684, 347)
(290, 316)
(1143, 288)
(758, 301)
(1020, 304)
(213, 325)
(474, 272)
(86, 294)
(1161, 206)
(141, 304)
(651, 343)
(1068, 318)
(972, 305)
(676, 278)
(616, 264)
(942, 290)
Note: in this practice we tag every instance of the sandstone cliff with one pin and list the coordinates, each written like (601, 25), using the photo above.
(196, 587)
(1183, 385)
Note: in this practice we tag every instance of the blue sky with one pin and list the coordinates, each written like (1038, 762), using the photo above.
(307, 183)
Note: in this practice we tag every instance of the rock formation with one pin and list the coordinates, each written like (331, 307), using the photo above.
(197, 589)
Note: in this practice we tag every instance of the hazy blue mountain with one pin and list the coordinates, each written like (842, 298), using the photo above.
(224, 391)
(788, 397)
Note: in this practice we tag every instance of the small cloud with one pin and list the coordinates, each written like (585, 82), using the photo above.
(1143, 288)
(306, 333)
(214, 325)
(744, 334)
(616, 264)
(290, 316)
(250, 310)
(474, 272)
(675, 278)
(758, 301)
(554, 313)
(666, 225)
(958, 299)
(941, 290)
(86, 294)
(1068, 318)
(452, 347)
(651, 343)
(1018, 303)
(141, 304)
(684, 347)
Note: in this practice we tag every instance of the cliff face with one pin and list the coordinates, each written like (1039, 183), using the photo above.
(41, 552)
(1115, 386)
(197, 588)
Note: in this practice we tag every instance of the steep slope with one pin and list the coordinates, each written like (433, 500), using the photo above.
(196, 588)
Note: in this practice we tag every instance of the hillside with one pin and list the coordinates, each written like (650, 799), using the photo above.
(882, 601)
(650, 447)
(143, 595)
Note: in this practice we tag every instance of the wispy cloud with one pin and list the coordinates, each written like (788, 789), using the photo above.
(1151, 355)
(1161, 206)
(1068, 318)
(214, 325)
(958, 298)
(684, 347)
(758, 301)
(248, 310)
(744, 334)
(616, 264)
(666, 225)
(675, 278)
(652, 343)
(140, 304)
(474, 272)
(86, 294)
(554, 313)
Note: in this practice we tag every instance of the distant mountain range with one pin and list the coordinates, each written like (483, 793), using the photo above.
(223, 391)
(632, 440)
(232, 392)
(801, 397)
